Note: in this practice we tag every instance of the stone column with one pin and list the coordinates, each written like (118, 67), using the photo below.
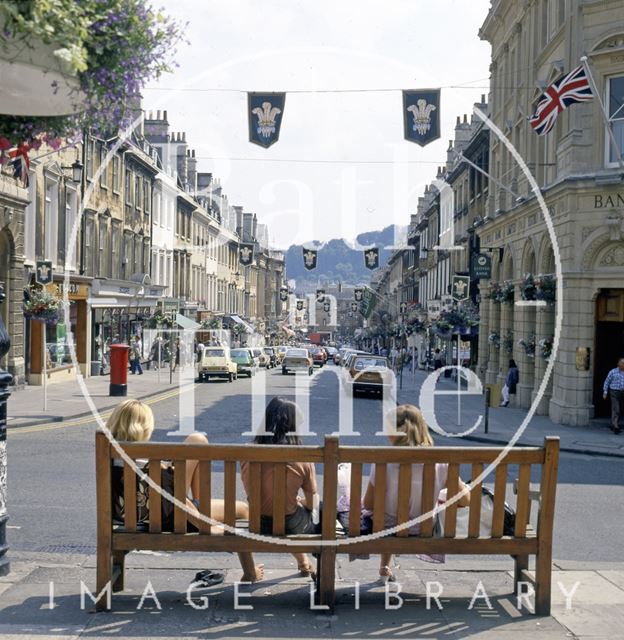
(5, 381)
(484, 332)
(491, 375)
(524, 327)
(506, 325)
(544, 328)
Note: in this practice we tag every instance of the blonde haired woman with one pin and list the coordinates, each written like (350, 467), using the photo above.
(414, 432)
(133, 421)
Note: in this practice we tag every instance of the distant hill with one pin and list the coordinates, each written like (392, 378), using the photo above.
(337, 261)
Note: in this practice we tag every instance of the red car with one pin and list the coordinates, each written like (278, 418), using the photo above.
(319, 356)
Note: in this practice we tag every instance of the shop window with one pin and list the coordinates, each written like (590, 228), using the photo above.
(58, 339)
(615, 106)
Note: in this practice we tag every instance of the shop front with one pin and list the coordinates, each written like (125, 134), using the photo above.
(119, 311)
(54, 339)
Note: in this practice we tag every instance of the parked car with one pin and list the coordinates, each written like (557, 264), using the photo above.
(367, 373)
(244, 360)
(297, 360)
(331, 352)
(216, 362)
(319, 356)
(272, 355)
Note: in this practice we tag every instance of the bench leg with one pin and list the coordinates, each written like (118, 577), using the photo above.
(104, 576)
(327, 577)
(543, 579)
(521, 563)
(119, 565)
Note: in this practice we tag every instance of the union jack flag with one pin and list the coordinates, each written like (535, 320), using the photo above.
(572, 88)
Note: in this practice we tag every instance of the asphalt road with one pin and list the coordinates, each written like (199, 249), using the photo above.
(52, 483)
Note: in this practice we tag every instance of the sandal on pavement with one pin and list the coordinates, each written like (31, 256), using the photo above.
(386, 575)
(307, 571)
(208, 578)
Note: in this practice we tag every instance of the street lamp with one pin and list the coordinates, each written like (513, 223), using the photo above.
(76, 169)
(5, 380)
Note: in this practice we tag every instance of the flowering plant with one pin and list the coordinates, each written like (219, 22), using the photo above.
(495, 339)
(546, 288)
(501, 293)
(159, 320)
(40, 304)
(112, 46)
(508, 342)
(528, 344)
(546, 346)
(528, 290)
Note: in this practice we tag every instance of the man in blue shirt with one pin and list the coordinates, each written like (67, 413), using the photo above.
(614, 386)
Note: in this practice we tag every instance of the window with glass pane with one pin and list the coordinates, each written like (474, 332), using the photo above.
(103, 166)
(115, 173)
(616, 116)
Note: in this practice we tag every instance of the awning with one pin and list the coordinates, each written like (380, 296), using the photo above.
(242, 323)
(186, 323)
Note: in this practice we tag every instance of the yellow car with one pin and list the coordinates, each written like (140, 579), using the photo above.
(297, 360)
(216, 362)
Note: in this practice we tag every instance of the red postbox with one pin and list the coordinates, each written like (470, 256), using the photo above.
(118, 370)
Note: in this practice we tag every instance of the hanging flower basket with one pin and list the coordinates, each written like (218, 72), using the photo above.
(546, 288)
(158, 321)
(494, 339)
(113, 47)
(528, 344)
(545, 348)
(42, 305)
(528, 289)
(501, 293)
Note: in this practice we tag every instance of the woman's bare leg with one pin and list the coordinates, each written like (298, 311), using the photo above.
(252, 572)
(384, 566)
(192, 476)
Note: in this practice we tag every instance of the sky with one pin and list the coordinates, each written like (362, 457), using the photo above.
(341, 165)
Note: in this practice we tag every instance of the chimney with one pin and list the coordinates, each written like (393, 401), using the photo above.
(192, 171)
(182, 161)
(255, 227)
(157, 129)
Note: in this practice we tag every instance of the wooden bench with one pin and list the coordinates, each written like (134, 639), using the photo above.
(115, 541)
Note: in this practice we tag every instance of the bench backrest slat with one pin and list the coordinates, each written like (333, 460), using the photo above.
(205, 494)
(474, 515)
(130, 498)
(452, 489)
(405, 495)
(179, 493)
(330, 486)
(355, 499)
(427, 500)
(279, 499)
(500, 490)
(379, 497)
(229, 494)
(255, 496)
(523, 501)
(155, 514)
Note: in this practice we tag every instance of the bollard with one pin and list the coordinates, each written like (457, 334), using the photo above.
(486, 419)
(118, 370)
(5, 380)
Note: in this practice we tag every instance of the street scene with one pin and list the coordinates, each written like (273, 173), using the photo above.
(307, 327)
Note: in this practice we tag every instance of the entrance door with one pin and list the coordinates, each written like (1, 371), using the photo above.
(609, 343)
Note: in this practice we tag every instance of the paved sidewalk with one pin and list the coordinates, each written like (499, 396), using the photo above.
(66, 400)
(504, 422)
(281, 603)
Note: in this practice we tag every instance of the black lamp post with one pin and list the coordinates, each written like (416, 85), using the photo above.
(5, 380)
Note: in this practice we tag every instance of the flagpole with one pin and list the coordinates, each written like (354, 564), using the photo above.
(460, 155)
(605, 115)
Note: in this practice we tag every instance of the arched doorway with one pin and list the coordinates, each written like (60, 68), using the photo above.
(608, 343)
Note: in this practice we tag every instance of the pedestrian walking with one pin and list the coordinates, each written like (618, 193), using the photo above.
(177, 349)
(136, 347)
(614, 387)
(437, 359)
(511, 382)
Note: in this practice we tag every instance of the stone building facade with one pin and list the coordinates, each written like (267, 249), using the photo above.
(576, 167)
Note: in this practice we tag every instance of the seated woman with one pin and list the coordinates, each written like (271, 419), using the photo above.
(414, 433)
(280, 419)
(133, 421)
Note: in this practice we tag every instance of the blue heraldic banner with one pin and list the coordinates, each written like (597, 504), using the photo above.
(421, 115)
(265, 111)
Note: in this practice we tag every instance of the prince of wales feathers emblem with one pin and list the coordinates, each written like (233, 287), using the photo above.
(245, 254)
(309, 258)
(266, 119)
(371, 258)
(421, 112)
